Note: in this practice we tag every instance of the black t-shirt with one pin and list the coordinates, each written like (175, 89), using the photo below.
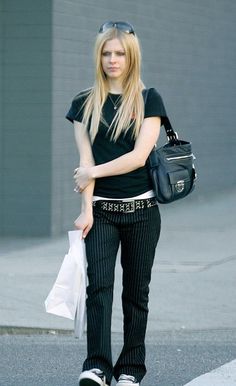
(104, 149)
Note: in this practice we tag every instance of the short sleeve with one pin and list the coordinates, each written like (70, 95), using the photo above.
(154, 106)
(76, 110)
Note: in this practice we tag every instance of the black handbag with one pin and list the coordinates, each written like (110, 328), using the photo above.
(171, 167)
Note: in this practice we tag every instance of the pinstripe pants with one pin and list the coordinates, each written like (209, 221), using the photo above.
(138, 234)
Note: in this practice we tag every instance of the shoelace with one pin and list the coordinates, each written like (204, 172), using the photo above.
(125, 377)
(100, 374)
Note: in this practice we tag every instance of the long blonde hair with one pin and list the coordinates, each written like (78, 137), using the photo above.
(130, 114)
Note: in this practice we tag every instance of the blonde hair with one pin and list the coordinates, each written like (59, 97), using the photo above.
(130, 114)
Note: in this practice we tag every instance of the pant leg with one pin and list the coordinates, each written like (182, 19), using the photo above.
(139, 238)
(102, 244)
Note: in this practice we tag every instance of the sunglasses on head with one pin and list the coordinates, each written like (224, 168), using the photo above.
(120, 25)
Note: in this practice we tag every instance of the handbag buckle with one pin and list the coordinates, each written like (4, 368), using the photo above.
(179, 186)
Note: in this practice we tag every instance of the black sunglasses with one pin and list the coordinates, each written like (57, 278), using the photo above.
(120, 25)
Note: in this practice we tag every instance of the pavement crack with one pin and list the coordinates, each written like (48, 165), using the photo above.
(219, 262)
(190, 266)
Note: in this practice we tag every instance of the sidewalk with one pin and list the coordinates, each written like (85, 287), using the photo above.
(193, 282)
(222, 376)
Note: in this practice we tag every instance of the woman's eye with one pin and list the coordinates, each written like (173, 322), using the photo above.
(118, 53)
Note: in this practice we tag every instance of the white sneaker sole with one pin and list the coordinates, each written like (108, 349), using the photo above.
(87, 378)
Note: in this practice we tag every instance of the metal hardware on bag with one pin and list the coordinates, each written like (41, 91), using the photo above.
(179, 186)
(181, 157)
(173, 136)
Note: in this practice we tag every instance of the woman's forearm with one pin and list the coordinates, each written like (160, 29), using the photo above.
(124, 164)
(87, 197)
(136, 158)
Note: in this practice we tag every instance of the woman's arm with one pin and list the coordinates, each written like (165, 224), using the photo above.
(85, 219)
(128, 162)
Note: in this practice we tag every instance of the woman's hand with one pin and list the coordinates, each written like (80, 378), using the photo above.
(84, 222)
(82, 177)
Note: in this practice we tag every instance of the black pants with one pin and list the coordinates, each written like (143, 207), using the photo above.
(138, 234)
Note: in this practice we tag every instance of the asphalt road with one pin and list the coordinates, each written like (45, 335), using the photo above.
(173, 358)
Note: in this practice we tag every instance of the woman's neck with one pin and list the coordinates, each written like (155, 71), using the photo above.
(115, 87)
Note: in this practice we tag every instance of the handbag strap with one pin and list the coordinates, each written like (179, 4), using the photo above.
(172, 135)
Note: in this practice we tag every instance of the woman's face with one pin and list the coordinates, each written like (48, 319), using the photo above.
(113, 59)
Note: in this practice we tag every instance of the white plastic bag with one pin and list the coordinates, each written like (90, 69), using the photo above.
(68, 294)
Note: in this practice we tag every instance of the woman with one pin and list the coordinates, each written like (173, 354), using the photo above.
(115, 133)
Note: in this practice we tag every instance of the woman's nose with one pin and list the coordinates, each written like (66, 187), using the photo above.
(112, 58)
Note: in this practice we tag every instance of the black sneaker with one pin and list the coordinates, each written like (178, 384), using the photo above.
(127, 380)
(93, 377)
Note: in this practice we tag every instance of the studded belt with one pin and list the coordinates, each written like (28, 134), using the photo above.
(125, 206)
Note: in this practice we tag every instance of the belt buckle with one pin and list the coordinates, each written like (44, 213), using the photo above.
(129, 206)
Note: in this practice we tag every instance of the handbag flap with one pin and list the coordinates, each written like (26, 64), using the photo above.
(179, 175)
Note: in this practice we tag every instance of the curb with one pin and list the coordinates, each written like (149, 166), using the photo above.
(15, 330)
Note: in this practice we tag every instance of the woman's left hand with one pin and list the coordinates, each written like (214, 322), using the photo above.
(82, 177)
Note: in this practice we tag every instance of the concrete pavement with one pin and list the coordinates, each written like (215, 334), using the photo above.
(193, 282)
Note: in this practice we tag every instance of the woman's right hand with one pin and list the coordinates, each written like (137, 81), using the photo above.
(84, 222)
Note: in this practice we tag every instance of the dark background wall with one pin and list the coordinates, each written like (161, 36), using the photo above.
(1, 108)
(26, 117)
(189, 55)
